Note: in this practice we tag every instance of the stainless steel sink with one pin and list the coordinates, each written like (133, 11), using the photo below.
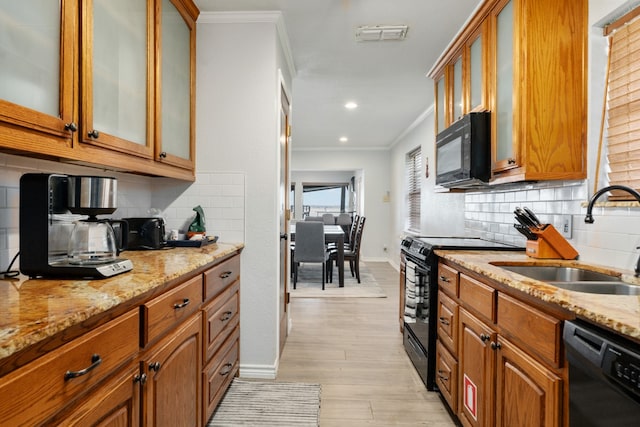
(607, 288)
(576, 279)
(560, 274)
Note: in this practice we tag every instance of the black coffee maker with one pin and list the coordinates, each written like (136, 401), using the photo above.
(60, 234)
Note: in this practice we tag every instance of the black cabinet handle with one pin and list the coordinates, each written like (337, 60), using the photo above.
(444, 279)
(485, 337)
(226, 316)
(94, 134)
(95, 361)
(155, 366)
(142, 379)
(163, 155)
(227, 367)
(225, 274)
(444, 321)
(511, 161)
(71, 127)
(496, 345)
(185, 302)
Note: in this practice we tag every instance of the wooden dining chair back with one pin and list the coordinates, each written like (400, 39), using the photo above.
(309, 247)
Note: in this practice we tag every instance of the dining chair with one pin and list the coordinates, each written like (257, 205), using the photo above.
(329, 219)
(352, 254)
(314, 218)
(309, 248)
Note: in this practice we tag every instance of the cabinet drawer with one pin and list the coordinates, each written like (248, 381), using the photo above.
(46, 385)
(221, 316)
(167, 310)
(218, 374)
(447, 376)
(448, 322)
(478, 296)
(536, 331)
(448, 279)
(220, 276)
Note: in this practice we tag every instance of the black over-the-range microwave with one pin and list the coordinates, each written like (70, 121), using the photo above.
(463, 152)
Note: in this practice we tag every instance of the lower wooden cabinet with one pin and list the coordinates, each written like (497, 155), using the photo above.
(114, 404)
(503, 368)
(171, 394)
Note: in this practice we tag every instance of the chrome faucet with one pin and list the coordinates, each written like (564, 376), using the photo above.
(589, 217)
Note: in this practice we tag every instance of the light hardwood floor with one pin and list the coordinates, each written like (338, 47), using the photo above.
(353, 348)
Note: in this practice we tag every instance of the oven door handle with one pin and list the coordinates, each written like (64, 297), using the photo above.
(421, 270)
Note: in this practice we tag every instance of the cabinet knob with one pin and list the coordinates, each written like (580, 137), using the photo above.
(227, 368)
(484, 337)
(496, 345)
(226, 316)
(444, 279)
(155, 366)
(225, 274)
(511, 161)
(94, 134)
(163, 155)
(71, 127)
(444, 321)
(141, 378)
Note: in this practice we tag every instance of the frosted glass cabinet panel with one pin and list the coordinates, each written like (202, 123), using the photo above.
(30, 54)
(476, 73)
(504, 87)
(441, 109)
(120, 68)
(175, 83)
(457, 90)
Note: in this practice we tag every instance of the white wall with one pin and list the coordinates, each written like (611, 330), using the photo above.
(237, 132)
(374, 167)
(441, 213)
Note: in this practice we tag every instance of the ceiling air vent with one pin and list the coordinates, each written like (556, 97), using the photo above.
(374, 33)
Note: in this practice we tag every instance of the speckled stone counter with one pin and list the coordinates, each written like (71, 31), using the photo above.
(34, 310)
(620, 313)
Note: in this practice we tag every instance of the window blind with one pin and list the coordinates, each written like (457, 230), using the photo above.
(623, 109)
(413, 170)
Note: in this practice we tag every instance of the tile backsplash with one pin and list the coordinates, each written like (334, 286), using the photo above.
(611, 240)
(221, 196)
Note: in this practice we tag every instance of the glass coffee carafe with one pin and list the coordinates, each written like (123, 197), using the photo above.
(94, 241)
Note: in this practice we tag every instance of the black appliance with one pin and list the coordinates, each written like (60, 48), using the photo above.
(604, 377)
(463, 152)
(52, 206)
(421, 294)
(146, 233)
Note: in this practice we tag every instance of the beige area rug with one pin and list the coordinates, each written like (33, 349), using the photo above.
(310, 283)
(274, 404)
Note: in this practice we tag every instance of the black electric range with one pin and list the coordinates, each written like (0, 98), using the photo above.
(421, 294)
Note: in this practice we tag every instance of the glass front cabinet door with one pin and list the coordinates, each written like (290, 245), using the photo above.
(175, 85)
(36, 75)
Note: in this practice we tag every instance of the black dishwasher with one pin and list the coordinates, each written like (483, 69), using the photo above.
(604, 377)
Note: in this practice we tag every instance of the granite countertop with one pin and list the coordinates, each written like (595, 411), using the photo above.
(620, 313)
(34, 310)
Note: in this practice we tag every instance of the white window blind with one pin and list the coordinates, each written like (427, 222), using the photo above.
(413, 170)
(623, 108)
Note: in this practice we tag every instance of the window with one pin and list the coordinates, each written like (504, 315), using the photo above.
(324, 198)
(623, 103)
(413, 169)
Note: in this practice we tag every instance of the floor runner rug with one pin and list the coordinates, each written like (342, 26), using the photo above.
(268, 403)
(310, 283)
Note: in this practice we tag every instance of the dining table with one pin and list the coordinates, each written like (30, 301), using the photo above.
(332, 234)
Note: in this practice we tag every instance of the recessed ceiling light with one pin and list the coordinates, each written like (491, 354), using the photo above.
(343, 139)
(350, 105)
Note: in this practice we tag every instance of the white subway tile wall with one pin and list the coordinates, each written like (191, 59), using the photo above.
(221, 196)
(612, 240)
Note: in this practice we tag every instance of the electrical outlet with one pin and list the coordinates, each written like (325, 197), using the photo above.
(564, 225)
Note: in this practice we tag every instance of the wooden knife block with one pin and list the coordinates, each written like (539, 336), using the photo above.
(550, 244)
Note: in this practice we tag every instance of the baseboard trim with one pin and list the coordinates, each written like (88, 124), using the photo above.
(264, 372)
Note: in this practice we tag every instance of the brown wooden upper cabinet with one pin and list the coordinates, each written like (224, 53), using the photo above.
(525, 61)
(131, 55)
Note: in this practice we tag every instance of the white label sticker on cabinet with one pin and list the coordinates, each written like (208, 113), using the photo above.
(471, 397)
